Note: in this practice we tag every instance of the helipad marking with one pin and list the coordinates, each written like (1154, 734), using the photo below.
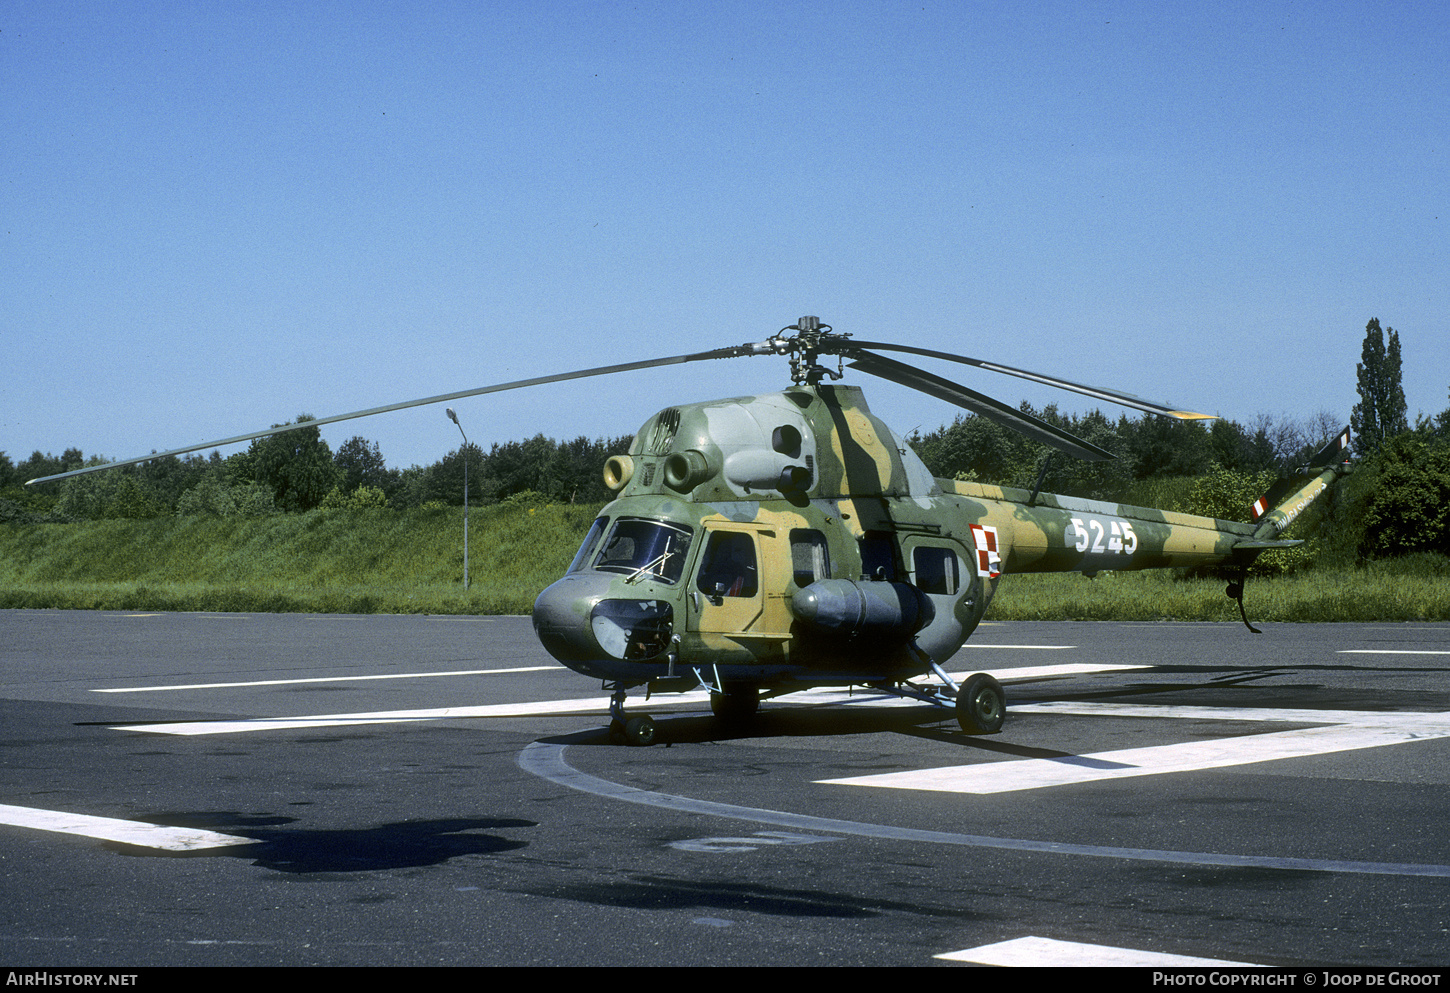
(1034, 951)
(592, 705)
(323, 679)
(1337, 731)
(546, 760)
(173, 839)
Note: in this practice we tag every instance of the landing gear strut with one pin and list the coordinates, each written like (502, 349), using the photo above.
(639, 730)
(979, 701)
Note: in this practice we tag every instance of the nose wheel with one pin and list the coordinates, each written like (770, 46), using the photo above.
(628, 730)
(635, 731)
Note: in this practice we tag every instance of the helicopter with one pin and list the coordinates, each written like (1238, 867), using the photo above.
(761, 545)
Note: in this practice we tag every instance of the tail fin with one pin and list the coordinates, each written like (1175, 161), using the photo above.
(1330, 453)
(1286, 499)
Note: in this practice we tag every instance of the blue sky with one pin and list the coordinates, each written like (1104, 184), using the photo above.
(218, 215)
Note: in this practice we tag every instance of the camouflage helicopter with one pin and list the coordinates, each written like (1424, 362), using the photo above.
(761, 545)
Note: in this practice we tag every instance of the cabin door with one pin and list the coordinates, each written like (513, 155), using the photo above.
(740, 587)
(945, 572)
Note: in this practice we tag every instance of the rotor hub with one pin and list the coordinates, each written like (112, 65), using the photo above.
(811, 339)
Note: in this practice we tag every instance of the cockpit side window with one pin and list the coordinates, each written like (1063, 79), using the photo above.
(728, 566)
(590, 543)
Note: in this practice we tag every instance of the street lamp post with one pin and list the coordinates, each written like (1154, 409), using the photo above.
(454, 418)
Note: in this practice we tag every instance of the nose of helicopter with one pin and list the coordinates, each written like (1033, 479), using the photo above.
(561, 617)
(578, 621)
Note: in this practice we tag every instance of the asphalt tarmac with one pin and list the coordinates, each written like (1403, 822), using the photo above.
(252, 789)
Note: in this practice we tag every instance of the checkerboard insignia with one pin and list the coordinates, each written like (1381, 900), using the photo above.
(989, 563)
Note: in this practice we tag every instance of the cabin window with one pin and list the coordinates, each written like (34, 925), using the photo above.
(937, 570)
(652, 549)
(728, 566)
(878, 556)
(810, 559)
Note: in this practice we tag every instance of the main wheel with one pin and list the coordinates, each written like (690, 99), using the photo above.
(981, 705)
(640, 731)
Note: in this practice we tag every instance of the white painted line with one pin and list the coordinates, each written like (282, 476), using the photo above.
(1191, 756)
(865, 696)
(1040, 671)
(820, 696)
(1286, 715)
(1351, 730)
(593, 704)
(172, 839)
(1034, 951)
(325, 679)
(829, 694)
(695, 699)
(1046, 648)
(1393, 651)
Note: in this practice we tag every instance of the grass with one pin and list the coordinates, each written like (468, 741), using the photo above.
(383, 561)
(336, 561)
(1416, 589)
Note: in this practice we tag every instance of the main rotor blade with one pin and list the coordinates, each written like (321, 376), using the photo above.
(1098, 393)
(978, 403)
(718, 353)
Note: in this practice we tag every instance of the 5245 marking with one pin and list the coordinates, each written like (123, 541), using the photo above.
(1102, 535)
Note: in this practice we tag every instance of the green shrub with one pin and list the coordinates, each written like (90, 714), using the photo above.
(1409, 509)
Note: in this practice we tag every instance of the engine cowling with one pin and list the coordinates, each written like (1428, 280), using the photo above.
(868, 607)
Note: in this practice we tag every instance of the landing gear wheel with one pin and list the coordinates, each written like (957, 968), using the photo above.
(737, 705)
(981, 705)
(640, 731)
(624, 729)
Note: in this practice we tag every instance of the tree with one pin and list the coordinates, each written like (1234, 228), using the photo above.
(443, 480)
(45, 464)
(971, 446)
(1381, 412)
(296, 466)
(120, 493)
(1162, 446)
(361, 462)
